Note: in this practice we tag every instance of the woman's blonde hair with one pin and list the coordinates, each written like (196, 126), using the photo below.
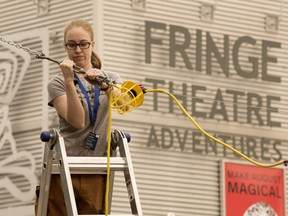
(95, 60)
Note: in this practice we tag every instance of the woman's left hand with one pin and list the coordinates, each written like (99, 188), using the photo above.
(92, 76)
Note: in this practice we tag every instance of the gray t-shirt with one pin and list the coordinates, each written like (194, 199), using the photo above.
(75, 138)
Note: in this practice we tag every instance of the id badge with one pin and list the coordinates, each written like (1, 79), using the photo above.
(91, 141)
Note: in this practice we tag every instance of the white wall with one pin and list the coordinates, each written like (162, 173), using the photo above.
(176, 168)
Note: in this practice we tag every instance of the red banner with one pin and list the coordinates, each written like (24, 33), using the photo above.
(250, 190)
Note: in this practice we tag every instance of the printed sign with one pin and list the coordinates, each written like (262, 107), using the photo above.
(250, 190)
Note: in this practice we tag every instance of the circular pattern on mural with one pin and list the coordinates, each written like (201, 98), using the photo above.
(260, 209)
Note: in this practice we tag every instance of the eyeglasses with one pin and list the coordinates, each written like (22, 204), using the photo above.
(73, 45)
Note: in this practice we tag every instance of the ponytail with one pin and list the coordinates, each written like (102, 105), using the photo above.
(95, 60)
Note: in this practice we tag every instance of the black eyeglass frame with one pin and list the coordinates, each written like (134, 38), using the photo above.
(66, 44)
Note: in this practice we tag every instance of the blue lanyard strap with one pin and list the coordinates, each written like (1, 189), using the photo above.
(96, 100)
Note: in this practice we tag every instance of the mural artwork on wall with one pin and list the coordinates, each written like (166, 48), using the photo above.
(13, 66)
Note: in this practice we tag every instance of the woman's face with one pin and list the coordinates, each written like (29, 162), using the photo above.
(80, 56)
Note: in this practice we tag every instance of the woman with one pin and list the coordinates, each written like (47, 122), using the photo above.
(81, 102)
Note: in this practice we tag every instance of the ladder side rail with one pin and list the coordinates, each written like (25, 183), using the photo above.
(65, 176)
(130, 177)
(111, 183)
(45, 182)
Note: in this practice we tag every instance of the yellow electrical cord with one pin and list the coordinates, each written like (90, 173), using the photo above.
(212, 137)
(119, 102)
(108, 153)
(117, 99)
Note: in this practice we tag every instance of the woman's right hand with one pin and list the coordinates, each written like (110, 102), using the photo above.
(67, 69)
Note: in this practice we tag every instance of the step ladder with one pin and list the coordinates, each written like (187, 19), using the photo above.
(56, 161)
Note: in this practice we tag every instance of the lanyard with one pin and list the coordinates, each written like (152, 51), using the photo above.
(96, 100)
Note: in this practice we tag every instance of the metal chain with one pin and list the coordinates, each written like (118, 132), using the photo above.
(19, 46)
(40, 55)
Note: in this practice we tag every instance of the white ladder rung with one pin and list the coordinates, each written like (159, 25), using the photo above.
(92, 165)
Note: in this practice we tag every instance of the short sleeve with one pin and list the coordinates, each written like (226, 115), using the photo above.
(55, 88)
